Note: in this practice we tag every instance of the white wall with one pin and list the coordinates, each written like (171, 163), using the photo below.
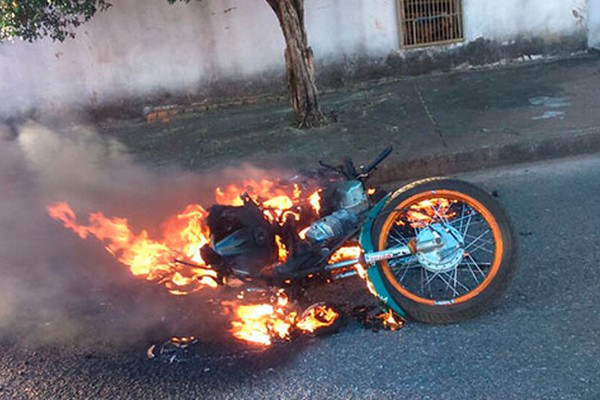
(139, 47)
(352, 27)
(506, 19)
(594, 23)
(146, 47)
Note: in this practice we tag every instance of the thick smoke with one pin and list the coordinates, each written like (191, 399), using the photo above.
(57, 288)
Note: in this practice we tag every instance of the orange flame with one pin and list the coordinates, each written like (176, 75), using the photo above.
(362, 273)
(351, 252)
(184, 234)
(315, 201)
(278, 200)
(317, 317)
(425, 212)
(154, 259)
(146, 257)
(261, 324)
(390, 320)
(282, 252)
(257, 190)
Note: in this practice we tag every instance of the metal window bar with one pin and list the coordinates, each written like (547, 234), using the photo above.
(430, 22)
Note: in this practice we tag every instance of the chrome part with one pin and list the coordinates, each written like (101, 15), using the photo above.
(341, 264)
(345, 275)
(332, 226)
(444, 257)
(352, 196)
(429, 245)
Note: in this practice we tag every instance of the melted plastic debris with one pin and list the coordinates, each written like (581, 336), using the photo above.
(176, 349)
(377, 318)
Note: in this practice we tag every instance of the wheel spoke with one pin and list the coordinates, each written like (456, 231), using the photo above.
(448, 285)
(476, 265)
(482, 247)
(464, 233)
(477, 239)
(405, 269)
(410, 264)
(456, 282)
(394, 262)
(398, 239)
(455, 277)
(462, 216)
(432, 277)
(427, 282)
(481, 264)
(436, 211)
(470, 270)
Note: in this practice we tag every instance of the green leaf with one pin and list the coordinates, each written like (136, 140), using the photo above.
(57, 19)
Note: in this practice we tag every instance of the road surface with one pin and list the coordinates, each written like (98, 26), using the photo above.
(541, 341)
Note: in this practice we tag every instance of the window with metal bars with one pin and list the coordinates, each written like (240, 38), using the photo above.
(428, 22)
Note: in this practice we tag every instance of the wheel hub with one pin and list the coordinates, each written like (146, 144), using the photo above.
(444, 258)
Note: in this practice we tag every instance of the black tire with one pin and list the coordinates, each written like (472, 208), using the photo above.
(442, 302)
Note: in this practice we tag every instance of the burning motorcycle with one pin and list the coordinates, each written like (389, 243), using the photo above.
(437, 250)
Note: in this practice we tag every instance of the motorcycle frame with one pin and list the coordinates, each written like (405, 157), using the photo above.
(370, 257)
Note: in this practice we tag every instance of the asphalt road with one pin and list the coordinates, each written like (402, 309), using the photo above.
(541, 341)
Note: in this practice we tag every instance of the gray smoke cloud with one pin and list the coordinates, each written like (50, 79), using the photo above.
(57, 288)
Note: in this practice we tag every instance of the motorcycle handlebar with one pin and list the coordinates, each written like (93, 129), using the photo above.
(349, 172)
(384, 154)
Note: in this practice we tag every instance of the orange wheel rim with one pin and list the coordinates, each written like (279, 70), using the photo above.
(450, 195)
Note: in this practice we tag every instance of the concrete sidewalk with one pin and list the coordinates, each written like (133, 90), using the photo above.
(438, 124)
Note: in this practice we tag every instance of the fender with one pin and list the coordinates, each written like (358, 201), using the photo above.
(373, 273)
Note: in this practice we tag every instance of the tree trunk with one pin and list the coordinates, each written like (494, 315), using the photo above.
(302, 90)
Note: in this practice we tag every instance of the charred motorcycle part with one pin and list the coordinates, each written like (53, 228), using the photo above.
(309, 262)
(176, 349)
(320, 319)
(243, 241)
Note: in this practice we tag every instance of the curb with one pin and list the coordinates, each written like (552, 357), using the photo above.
(571, 143)
(164, 113)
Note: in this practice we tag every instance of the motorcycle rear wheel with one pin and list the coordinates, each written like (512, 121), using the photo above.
(470, 270)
